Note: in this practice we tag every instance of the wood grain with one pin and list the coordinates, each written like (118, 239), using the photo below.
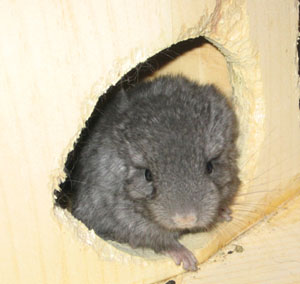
(270, 253)
(58, 57)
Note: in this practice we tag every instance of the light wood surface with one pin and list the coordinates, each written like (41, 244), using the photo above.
(57, 58)
(267, 253)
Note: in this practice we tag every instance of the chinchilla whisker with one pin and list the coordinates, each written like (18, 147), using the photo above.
(77, 181)
(265, 143)
(251, 205)
(253, 193)
(246, 210)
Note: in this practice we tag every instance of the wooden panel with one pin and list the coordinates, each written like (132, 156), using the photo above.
(57, 57)
(267, 253)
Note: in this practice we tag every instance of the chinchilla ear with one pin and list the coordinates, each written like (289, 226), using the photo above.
(215, 146)
(219, 127)
(136, 156)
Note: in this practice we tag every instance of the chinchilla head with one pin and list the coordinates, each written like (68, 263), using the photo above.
(178, 140)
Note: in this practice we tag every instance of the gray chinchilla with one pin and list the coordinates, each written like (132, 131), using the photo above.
(159, 163)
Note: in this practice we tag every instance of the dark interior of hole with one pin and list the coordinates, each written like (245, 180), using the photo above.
(137, 74)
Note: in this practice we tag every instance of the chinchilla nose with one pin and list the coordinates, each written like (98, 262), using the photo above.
(185, 220)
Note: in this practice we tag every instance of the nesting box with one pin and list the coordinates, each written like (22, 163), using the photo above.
(57, 59)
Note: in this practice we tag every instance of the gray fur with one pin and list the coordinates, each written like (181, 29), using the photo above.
(173, 127)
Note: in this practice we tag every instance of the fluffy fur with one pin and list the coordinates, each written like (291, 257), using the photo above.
(184, 134)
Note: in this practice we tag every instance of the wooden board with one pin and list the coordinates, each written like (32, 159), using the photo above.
(267, 253)
(57, 58)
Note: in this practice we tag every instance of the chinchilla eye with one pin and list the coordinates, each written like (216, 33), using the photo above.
(148, 175)
(209, 167)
